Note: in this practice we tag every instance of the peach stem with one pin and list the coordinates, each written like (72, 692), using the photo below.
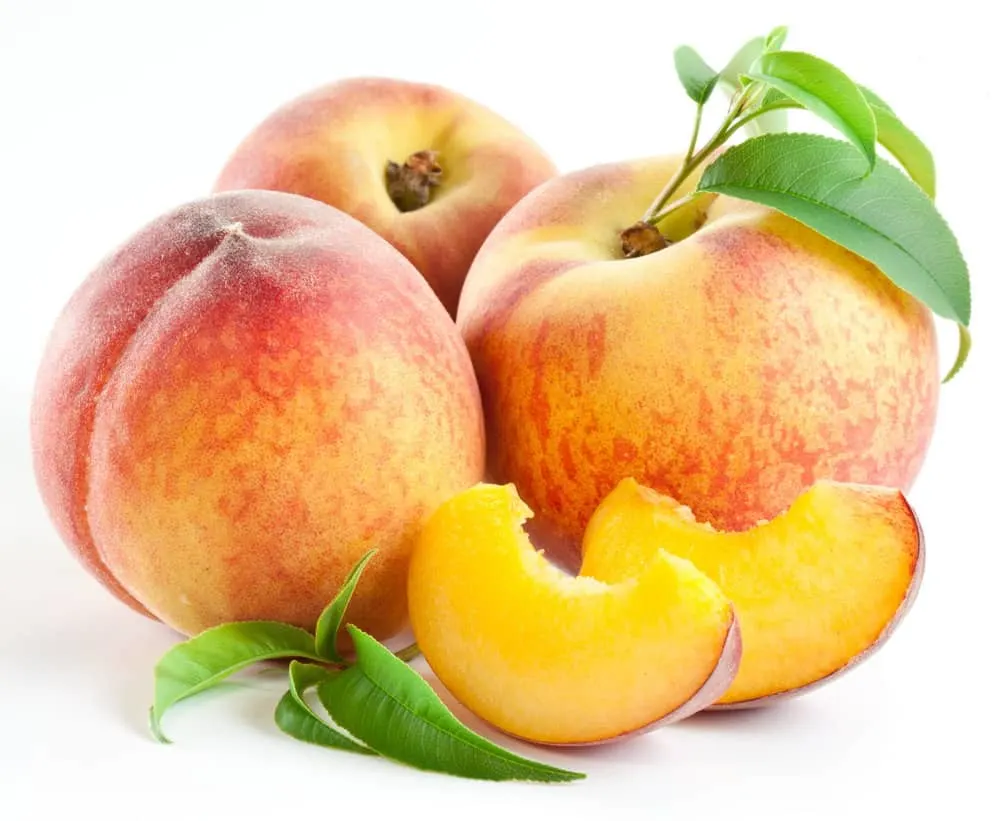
(409, 185)
(693, 158)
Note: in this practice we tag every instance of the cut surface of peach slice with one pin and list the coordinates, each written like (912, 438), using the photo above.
(816, 590)
(555, 659)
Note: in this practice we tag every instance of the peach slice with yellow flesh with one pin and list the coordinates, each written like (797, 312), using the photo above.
(817, 589)
(555, 659)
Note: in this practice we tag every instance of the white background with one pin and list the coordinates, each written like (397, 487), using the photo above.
(111, 113)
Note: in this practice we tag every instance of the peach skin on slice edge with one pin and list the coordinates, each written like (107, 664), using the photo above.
(817, 589)
(554, 659)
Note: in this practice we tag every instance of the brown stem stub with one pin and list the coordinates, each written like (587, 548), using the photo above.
(641, 239)
(409, 185)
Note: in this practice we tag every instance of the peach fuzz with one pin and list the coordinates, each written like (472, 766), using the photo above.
(333, 144)
(240, 401)
(554, 659)
(731, 370)
(817, 590)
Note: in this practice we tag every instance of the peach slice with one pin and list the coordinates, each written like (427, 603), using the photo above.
(555, 659)
(817, 589)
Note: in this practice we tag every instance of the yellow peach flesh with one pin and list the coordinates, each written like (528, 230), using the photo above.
(552, 658)
(815, 589)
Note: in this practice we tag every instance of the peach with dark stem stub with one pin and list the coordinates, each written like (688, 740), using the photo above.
(428, 169)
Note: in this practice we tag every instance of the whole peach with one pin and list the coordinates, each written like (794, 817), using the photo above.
(240, 401)
(428, 169)
(748, 359)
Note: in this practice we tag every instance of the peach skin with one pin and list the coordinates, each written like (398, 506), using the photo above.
(554, 659)
(817, 589)
(746, 360)
(240, 401)
(428, 169)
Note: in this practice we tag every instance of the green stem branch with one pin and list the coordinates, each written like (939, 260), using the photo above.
(753, 115)
(408, 653)
(675, 206)
(692, 159)
(679, 175)
(694, 132)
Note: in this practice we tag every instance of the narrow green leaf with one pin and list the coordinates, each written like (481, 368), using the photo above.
(964, 346)
(304, 725)
(823, 89)
(386, 704)
(732, 78)
(774, 97)
(770, 115)
(302, 677)
(731, 75)
(330, 620)
(774, 121)
(874, 99)
(206, 659)
(297, 719)
(906, 147)
(776, 39)
(883, 217)
(697, 77)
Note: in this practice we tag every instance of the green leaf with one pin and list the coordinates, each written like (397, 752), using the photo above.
(903, 144)
(697, 77)
(874, 99)
(774, 97)
(732, 78)
(733, 72)
(328, 624)
(776, 39)
(205, 660)
(770, 122)
(823, 89)
(302, 677)
(770, 116)
(883, 217)
(297, 719)
(964, 346)
(906, 147)
(386, 704)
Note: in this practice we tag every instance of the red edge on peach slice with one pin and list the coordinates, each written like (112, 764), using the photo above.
(911, 596)
(712, 688)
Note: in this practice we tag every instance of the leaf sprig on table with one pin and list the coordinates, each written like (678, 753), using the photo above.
(377, 704)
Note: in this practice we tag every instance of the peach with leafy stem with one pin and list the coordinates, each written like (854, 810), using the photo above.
(731, 369)
(727, 326)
